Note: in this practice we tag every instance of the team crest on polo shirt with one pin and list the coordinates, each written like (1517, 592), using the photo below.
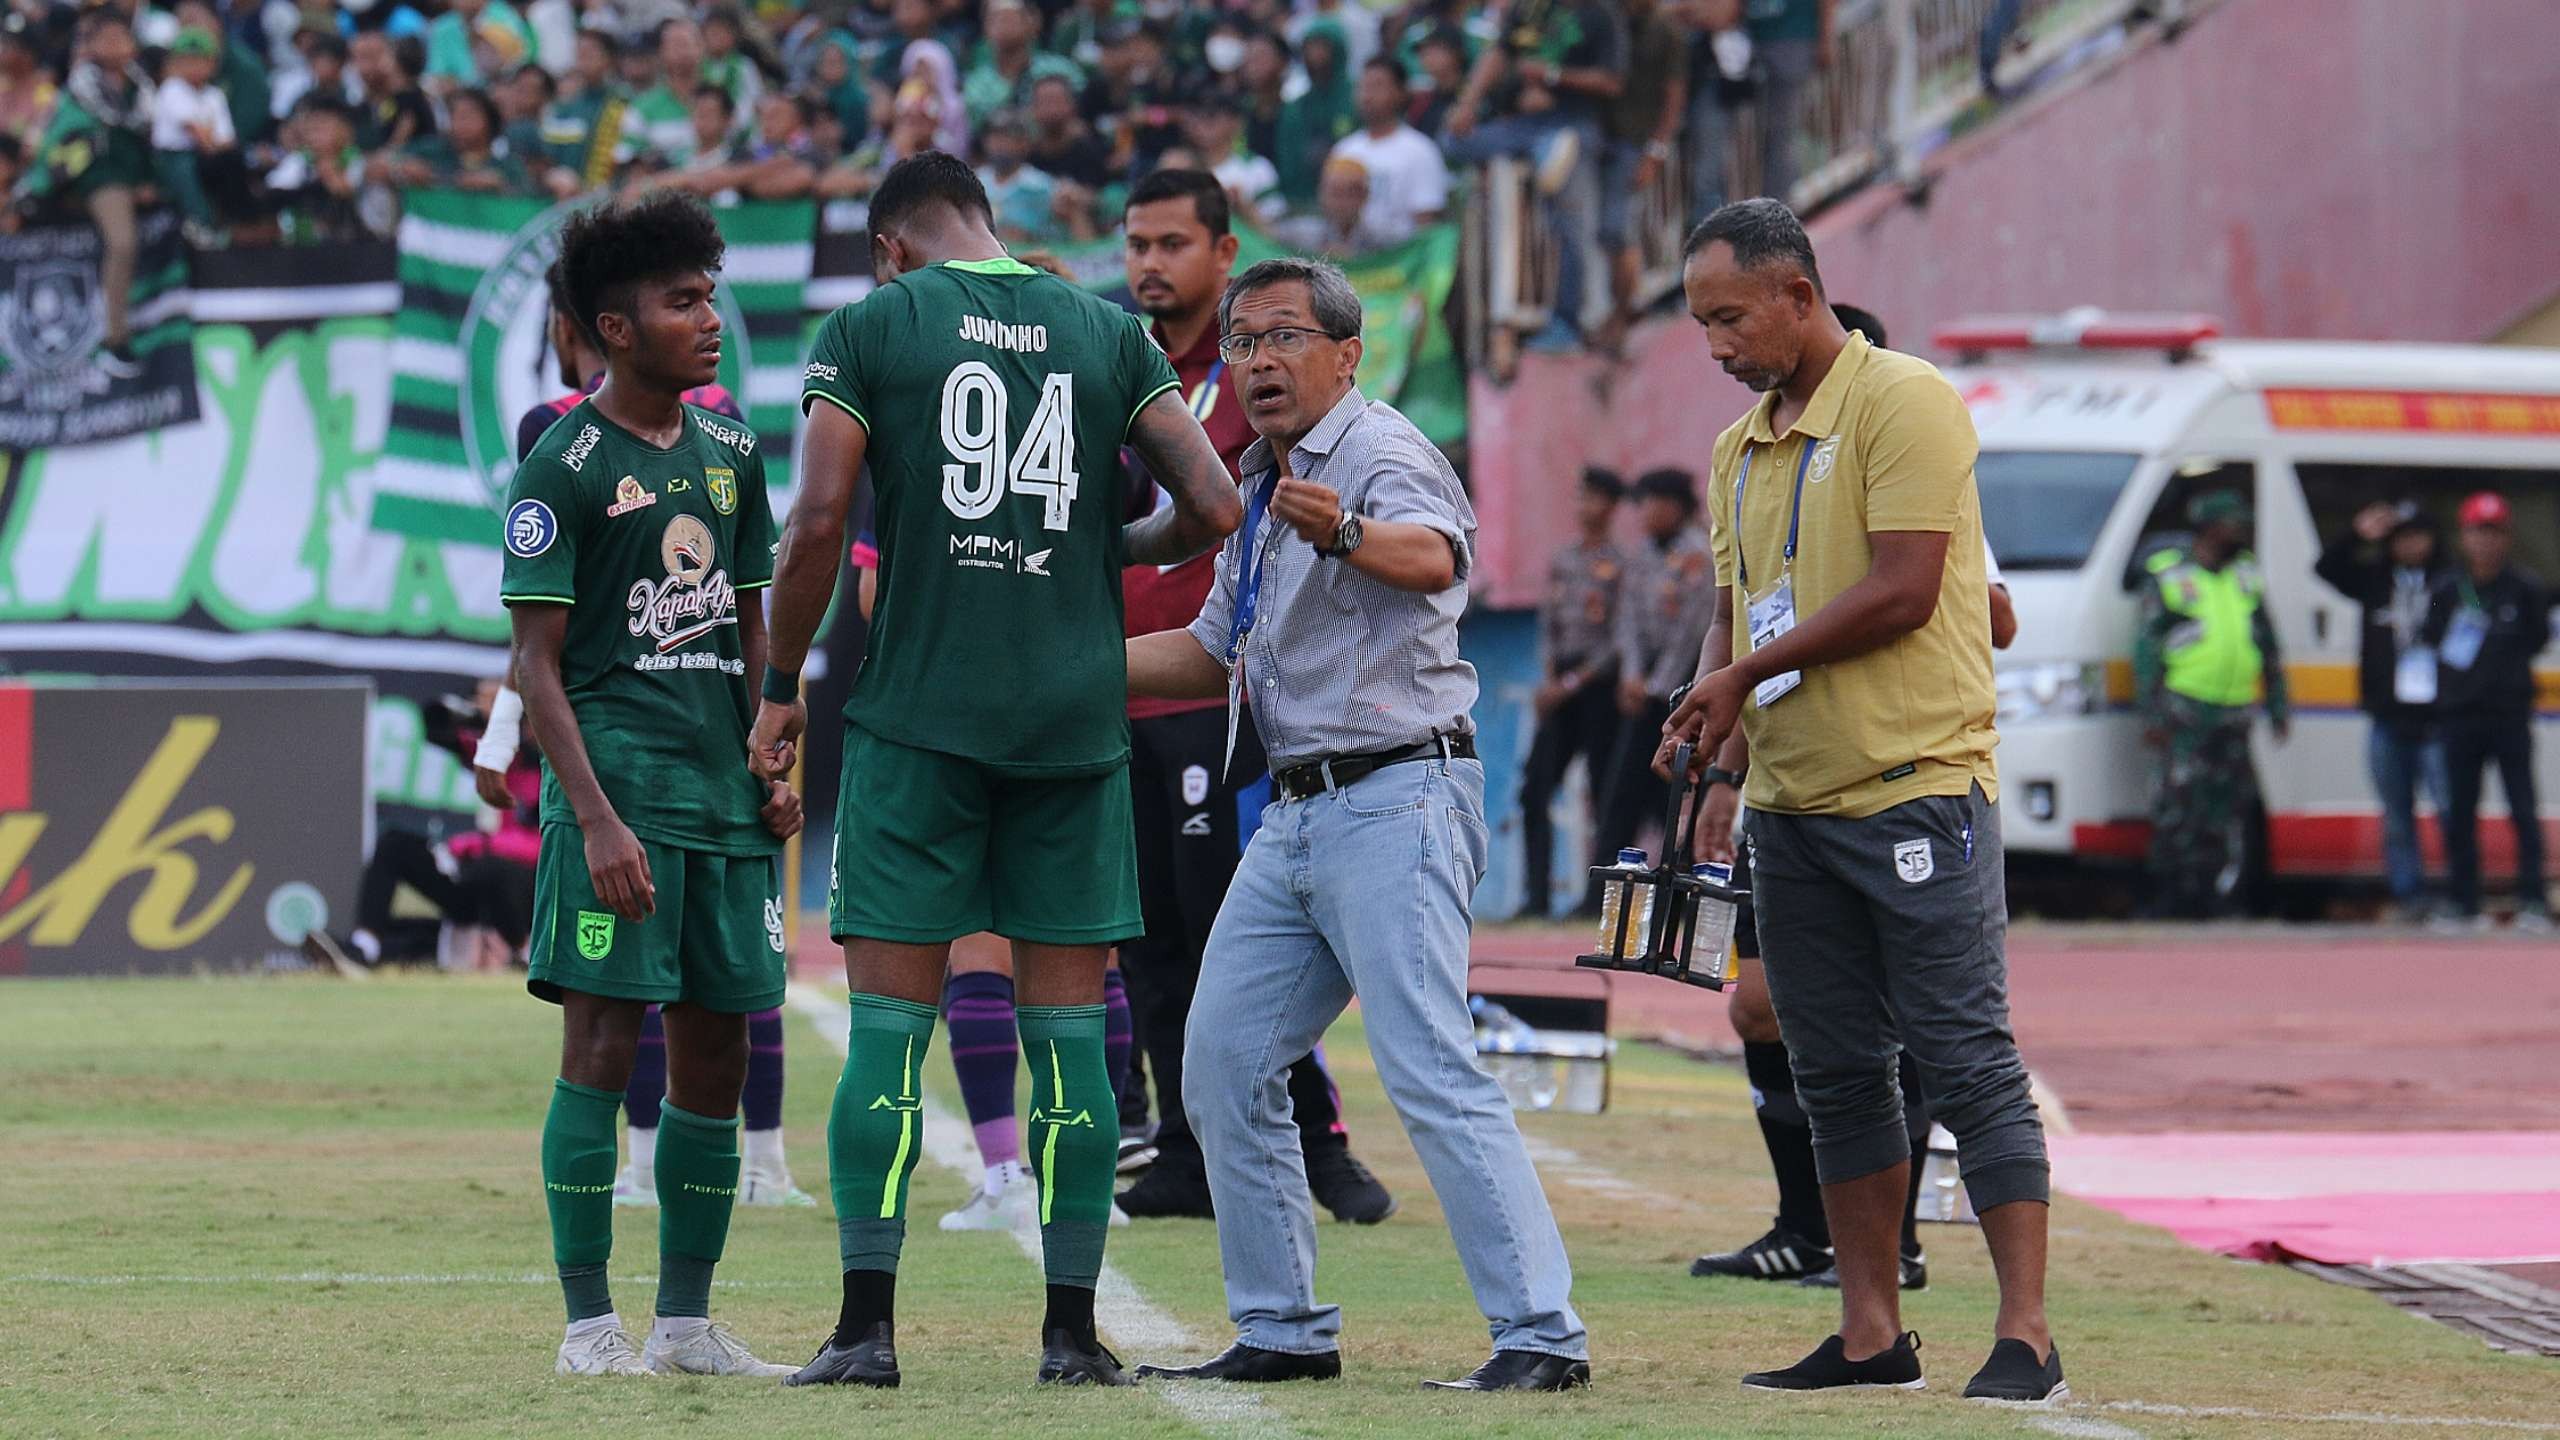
(1195, 784)
(1913, 861)
(1825, 455)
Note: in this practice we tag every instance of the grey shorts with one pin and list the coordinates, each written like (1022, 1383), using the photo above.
(1887, 932)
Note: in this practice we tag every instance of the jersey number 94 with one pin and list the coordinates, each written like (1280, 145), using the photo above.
(975, 429)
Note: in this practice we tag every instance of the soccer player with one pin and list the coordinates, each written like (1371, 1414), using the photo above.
(986, 745)
(766, 1179)
(634, 531)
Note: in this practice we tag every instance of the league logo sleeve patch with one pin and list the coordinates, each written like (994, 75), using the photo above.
(531, 528)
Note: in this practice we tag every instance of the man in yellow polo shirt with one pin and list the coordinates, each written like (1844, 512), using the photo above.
(1851, 645)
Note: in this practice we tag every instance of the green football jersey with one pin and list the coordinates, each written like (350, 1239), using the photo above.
(651, 550)
(991, 392)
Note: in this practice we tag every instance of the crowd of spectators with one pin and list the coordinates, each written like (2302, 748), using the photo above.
(1334, 125)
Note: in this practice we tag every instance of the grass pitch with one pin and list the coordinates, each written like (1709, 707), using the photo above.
(296, 1207)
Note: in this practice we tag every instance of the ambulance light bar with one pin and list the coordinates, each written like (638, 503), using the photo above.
(2084, 328)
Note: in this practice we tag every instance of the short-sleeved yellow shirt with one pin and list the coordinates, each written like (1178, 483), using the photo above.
(1886, 445)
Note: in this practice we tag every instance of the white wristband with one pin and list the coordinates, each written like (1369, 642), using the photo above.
(504, 733)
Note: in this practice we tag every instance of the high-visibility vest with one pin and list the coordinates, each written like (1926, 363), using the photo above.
(2213, 652)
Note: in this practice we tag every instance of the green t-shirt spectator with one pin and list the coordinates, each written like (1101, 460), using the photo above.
(984, 90)
(662, 120)
(446, 165)
(1782, 20)
(1021, 206)
(449, 41)
(589, 133)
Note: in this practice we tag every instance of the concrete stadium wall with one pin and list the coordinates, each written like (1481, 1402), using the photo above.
(2341, 169)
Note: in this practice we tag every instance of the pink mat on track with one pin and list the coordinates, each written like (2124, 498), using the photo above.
(2341, 1198)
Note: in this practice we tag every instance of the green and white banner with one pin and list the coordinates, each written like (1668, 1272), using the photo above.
(469, 354)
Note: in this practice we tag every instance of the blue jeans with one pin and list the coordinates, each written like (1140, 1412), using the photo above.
(2403, 758)
(1573, 215)
(1363, 890)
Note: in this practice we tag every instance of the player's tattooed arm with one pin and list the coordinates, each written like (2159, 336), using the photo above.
(616, 862)
(1206, 508)
(804, 573)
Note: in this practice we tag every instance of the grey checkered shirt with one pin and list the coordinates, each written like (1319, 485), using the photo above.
(1338, 663)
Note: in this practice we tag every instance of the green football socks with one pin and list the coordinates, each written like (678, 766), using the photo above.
(697, 1188)
(577, 1182)
(1073, 1140)
(875, 1133)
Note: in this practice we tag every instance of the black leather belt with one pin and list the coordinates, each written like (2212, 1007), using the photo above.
(1311, 778)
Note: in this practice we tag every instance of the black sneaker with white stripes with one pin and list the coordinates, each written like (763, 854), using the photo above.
(2013, 1376)
(1779, 1255)
(1830, 1368)
(1915, 1274)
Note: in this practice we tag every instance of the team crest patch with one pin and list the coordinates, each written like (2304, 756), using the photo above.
(530, 529)
(595, 934)
(629, 495)
(1913, 861)
(686, 549)
(1195, 784)
(1825, 455)
(723, 485)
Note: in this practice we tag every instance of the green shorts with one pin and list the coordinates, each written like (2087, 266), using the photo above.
(931, 847)
(714, 941)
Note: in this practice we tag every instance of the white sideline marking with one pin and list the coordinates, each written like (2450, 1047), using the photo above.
(2342, 1417)
(1135, 1321)
(336, 1277)
(1568, 1167)
(2085, 1429)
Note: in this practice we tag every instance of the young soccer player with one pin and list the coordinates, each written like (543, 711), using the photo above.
(986, 747)
(637, 538)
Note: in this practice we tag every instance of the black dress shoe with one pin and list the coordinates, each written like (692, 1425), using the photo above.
(1341, 1184)
(1169, 1190)
(871, 1360)
(1243, 1363)
(1070, 1359)
(1521, 1370)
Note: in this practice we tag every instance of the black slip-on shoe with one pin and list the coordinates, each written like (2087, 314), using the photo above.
(1168, 1191)
(1779, 1255)
(2013, 1376)
(871, 1360)
(1067, 1358)
(1830, 1368)
(1245, 1364)
(1521, 1370)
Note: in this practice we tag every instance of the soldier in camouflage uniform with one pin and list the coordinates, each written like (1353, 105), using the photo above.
(1577, 709)
(2205, 655)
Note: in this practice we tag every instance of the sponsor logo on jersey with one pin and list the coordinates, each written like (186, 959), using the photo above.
(723, 485)
(531, 528)
(678, 484)
(984, 552)
(773, 923)
(695, 599)
(629, 495)
(738, 440)
(1198, 824)
(575, 457)
(1022, 339)
(817, 371)
(1037, 562)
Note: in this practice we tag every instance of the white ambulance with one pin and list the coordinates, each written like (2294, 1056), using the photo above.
(2096, 431)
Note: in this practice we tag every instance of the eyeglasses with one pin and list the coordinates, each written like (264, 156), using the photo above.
(1284, 342)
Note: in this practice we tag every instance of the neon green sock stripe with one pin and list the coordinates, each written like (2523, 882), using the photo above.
(1078, 1155)
(875, 1129)
(906, 1136)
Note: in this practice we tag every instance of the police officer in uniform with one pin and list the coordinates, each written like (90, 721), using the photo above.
(1577, 709)
(2205, 650)
(1668, 602)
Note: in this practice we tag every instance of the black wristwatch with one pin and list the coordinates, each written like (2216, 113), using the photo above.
(1346, 538)
(1718, 775)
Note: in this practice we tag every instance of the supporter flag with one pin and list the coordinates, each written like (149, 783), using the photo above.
(469, 354)
(58, 383)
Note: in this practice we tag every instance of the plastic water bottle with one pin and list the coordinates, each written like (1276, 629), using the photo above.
(1507, 1046)
(1713, 943)
(1639, 932)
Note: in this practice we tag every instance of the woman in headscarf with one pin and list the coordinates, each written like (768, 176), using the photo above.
(927, 64)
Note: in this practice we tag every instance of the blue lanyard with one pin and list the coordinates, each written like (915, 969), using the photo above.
(1795, 516)
(1205, 399)
(1249, 565)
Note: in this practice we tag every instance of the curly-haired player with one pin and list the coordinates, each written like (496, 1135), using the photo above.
(637, 539)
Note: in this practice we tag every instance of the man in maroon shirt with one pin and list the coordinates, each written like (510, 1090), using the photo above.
(1194, 812)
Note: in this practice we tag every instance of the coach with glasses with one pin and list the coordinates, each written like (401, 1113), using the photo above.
(1336, 610)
